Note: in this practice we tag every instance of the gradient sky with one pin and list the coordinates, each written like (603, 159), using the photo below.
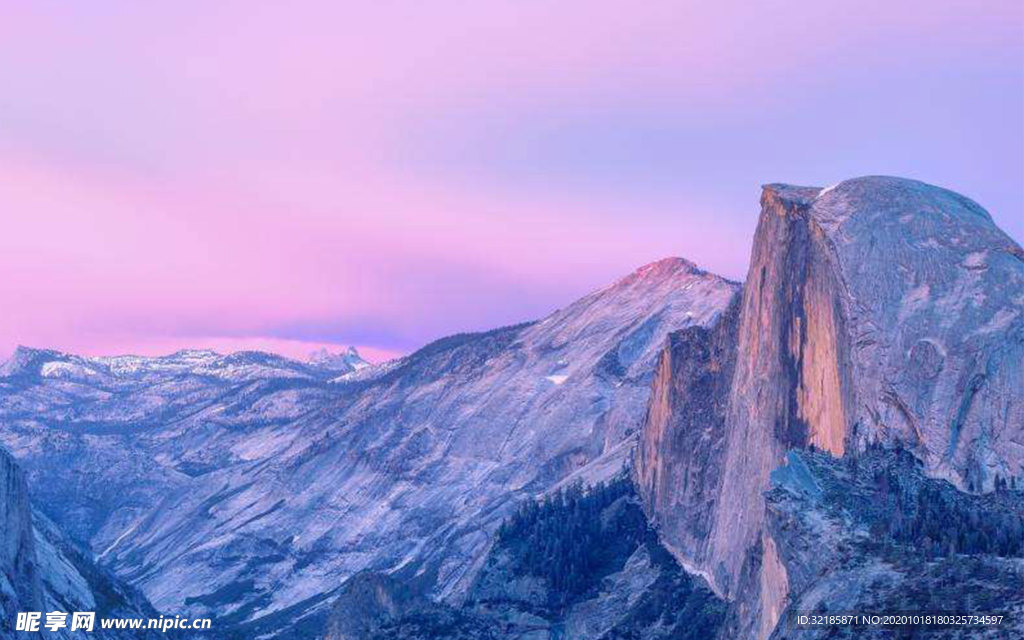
(288, 175)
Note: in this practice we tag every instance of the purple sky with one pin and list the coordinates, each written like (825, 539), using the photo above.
(288, 175)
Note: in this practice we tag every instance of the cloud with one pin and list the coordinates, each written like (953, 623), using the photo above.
(386, 173)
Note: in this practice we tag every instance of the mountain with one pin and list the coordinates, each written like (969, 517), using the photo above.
(880, 311)
(674, 455)
(104, 439)
(250, 487)
(345, 362)
(41, 570)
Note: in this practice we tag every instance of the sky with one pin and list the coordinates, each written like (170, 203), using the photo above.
(286, 176)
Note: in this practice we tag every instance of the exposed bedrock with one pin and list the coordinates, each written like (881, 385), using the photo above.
(41, 570)
(878, 310)
(680, 450)
(20, 586)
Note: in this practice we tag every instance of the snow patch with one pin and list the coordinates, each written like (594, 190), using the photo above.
(65, 370)
(121, 537)
(557, 379)
(827, 190)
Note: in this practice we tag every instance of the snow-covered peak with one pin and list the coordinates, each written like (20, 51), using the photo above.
(117, 370)
(344, 362)
(48, 363)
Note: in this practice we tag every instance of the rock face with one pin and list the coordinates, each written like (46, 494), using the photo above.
(250, 487)
(877, 310)
(680, 450)
(932, 298)
(21, 587)
(42, 571)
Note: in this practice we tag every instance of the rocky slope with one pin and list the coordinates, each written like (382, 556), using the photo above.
(41, 570)
(103, 439)
(877, 310)
(249, 487)
(872, 533)
(582, 563)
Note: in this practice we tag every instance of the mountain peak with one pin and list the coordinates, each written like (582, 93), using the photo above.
(887, 190)
(195, 353)
(345, 362)
(23, 357)
(664, 270)
(22, 351)
(670, 264)
(901, 195)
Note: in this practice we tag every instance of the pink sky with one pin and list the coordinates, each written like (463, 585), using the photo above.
(286, 176)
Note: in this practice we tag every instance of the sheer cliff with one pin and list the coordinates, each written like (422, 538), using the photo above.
(21, 587)
(41, 570)
(880, 310)
(679, 454)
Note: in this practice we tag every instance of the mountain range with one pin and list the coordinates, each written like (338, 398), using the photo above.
(675, 455)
